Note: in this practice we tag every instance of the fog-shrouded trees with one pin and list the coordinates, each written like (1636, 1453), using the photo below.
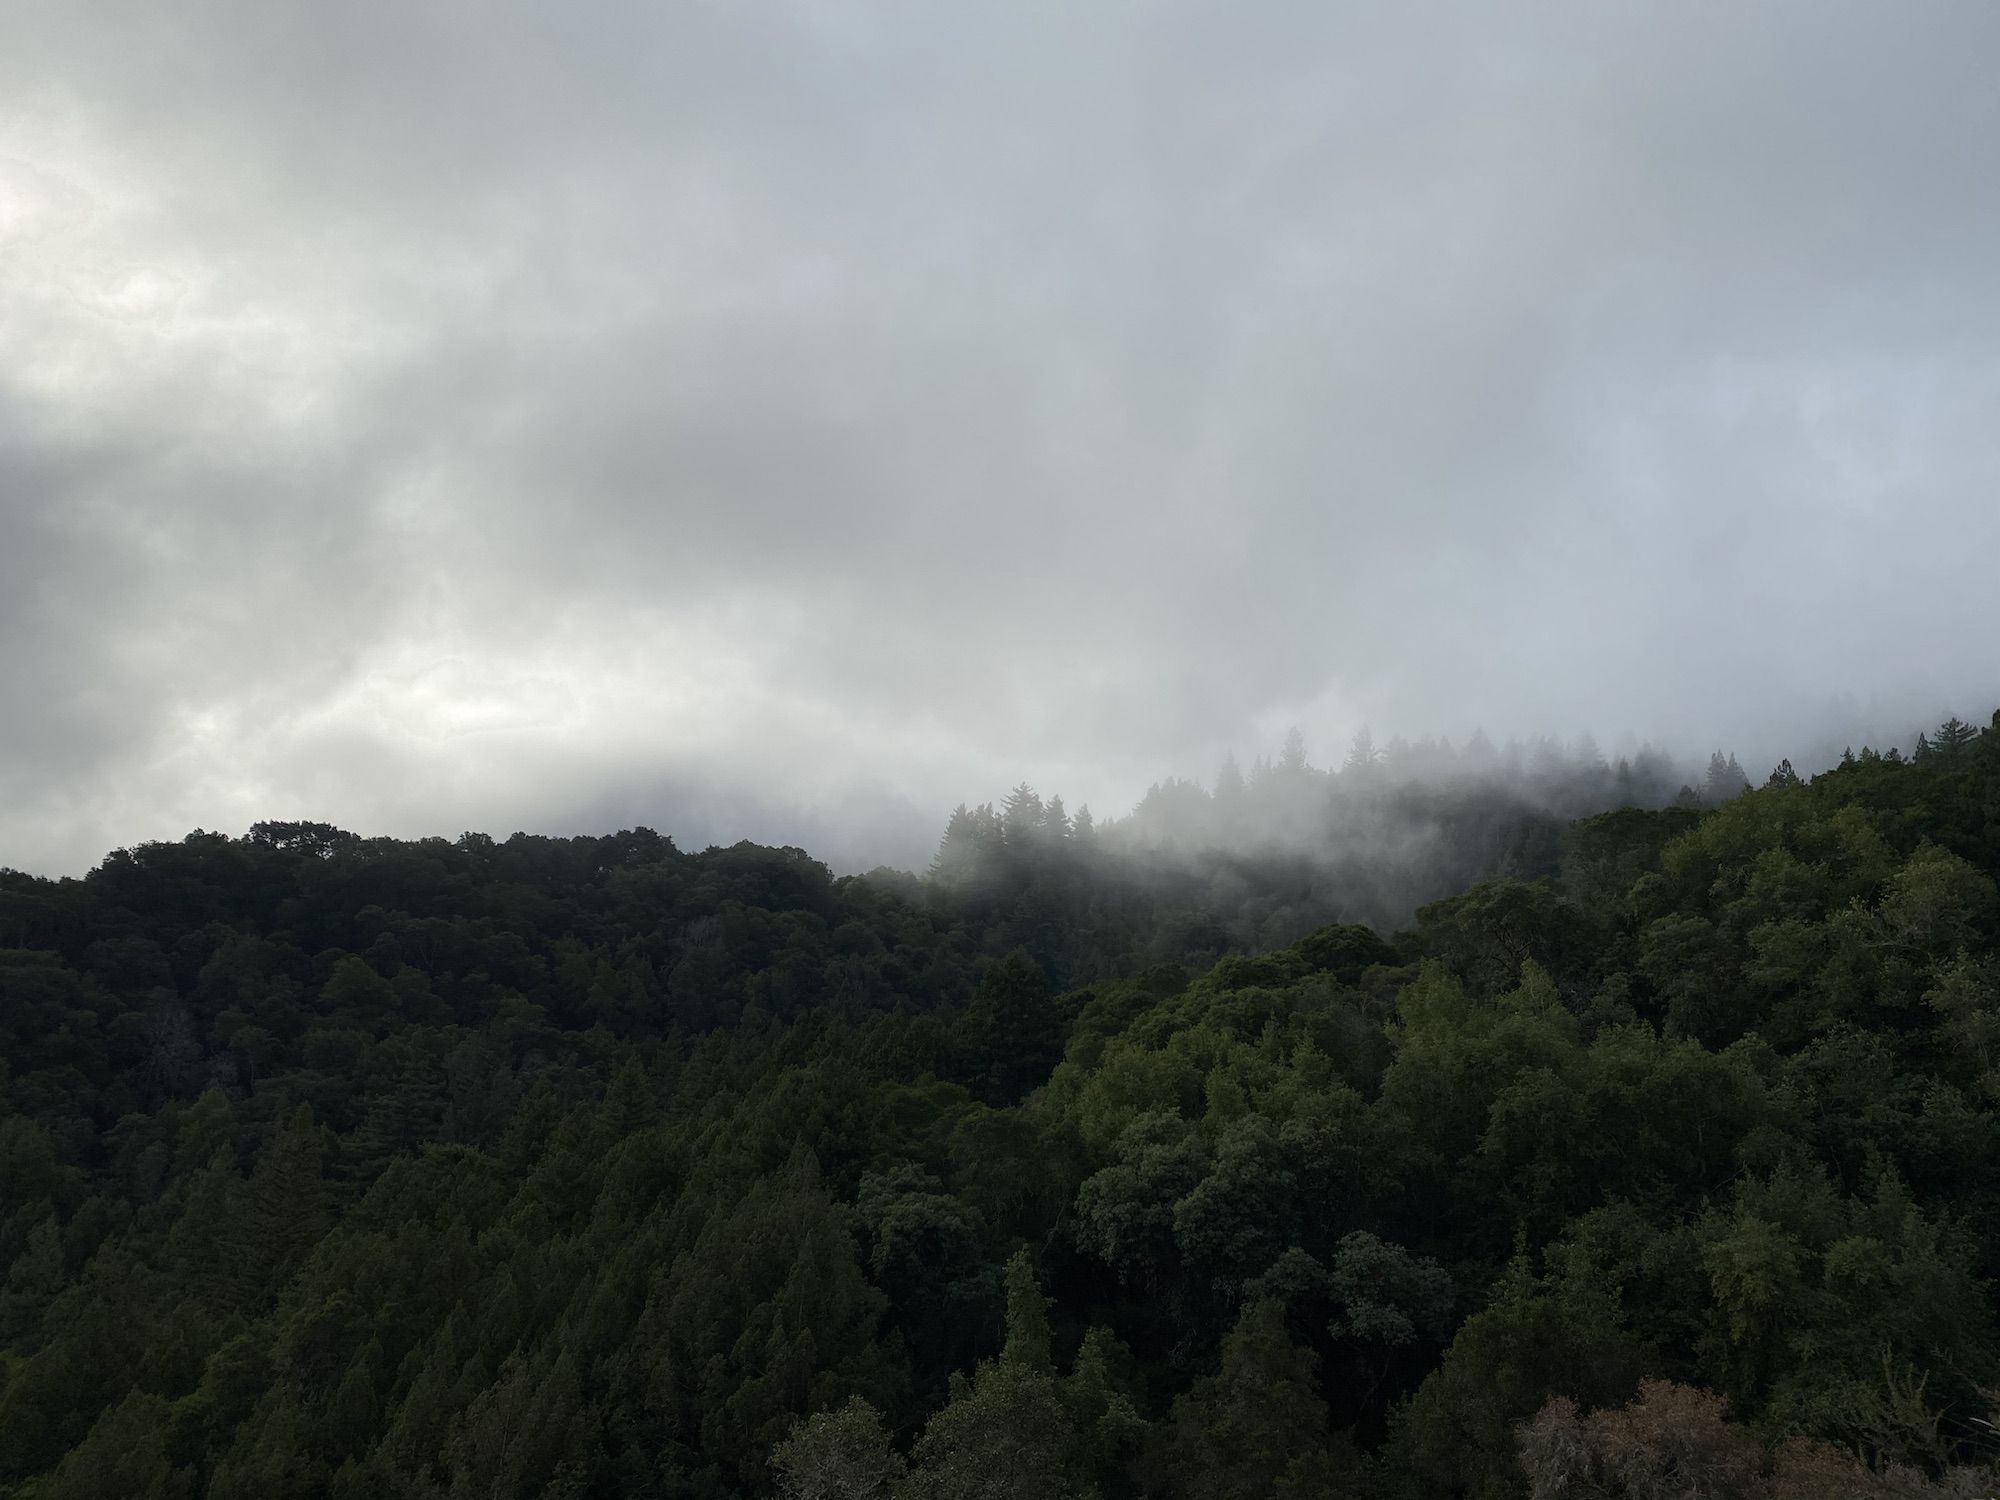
(1657, 1157)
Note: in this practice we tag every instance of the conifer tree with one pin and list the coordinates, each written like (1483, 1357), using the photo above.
(1007, 1434)
(1083, 828)
(1362, 756)
(955, 850)
(402, 1118)
(1257, 1428)
(32, 1280)
(1293, 756)
(211, 1245)
(1229, 783)
(1055, 820)
(1725, 780)
(125, 1455)
(1953, 736)
(1022, 817)
(289, 1210)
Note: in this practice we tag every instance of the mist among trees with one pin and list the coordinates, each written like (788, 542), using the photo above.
(1660, 1155)
(1259, 859)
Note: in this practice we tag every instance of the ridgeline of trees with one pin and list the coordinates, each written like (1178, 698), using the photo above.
(1259, 861)
(1666, 1164)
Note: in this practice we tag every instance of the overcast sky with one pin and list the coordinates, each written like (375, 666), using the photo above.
(790, 419)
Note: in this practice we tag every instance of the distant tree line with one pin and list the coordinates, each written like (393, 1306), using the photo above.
(1271, 855)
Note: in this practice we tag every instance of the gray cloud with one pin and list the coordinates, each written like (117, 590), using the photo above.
(790, 419)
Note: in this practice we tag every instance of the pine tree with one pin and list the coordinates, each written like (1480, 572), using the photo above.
(517, 1438)
(955, 849)
(32, 1281)
(355, 995)
(1055, 820)
(1782, 774)
(1293, 756)
(401, 1118)
(1725, 780)
(1229, 783)
(629, 1104)
(1022, 817)
(211, 1245)
(1954, 735)
(351, 1414)
(1009, 1433)
(1107, 1422)
(1257, 1428)
(288, 1200)
(124, 1455)
(1362, 756)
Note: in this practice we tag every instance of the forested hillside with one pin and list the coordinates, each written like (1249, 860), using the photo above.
(1267, 857)
(1664, 1162)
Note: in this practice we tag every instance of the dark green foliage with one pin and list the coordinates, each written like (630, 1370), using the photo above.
(124, 1454)
(1344, 950)
(1457, 1435)
(1256, 1428)
(350, 1167)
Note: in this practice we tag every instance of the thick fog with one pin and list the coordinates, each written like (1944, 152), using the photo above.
(791, 420)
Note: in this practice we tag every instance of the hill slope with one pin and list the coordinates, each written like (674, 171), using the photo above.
(589, 1167)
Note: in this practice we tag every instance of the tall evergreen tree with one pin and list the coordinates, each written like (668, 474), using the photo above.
(1229, 787)
(1362, 756)
(289, 1207)
(1293, 756)
(1055, 820)
(1953, 736)
(1257, 1428)
(1724, 781)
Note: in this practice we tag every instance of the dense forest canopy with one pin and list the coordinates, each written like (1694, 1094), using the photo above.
(1593, 1140)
